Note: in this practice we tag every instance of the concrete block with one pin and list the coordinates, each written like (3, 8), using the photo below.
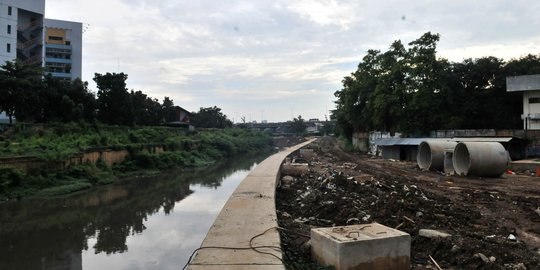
(366, 247)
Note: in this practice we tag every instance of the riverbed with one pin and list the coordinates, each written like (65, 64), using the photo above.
(140, 223)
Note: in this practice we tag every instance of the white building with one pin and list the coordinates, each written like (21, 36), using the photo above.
(26, 36)
(530, 86)
(63, 48)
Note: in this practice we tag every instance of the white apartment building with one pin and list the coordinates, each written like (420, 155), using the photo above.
(63, 48)
(26, 36)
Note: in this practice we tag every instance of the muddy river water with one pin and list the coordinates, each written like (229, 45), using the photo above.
(141, 223)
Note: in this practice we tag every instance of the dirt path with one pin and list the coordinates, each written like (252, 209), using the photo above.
(481, 214)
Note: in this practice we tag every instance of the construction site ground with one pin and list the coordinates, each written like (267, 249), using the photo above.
(494, 222)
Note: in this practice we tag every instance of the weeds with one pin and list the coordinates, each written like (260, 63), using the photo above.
(56, 143)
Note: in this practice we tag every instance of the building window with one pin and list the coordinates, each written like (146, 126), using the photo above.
(534, 100)
(9, 11)
(55, 38)
(8, 48)
(9, 29)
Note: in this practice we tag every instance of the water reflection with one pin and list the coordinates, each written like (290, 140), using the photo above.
(97, 229)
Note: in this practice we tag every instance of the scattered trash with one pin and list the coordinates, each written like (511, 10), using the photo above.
(510, 172)
(512, 237)
(352, 221)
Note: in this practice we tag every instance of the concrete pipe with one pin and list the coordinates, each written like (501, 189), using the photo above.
(431, 154)
(488, 159)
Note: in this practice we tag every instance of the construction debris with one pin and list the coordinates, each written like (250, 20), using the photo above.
(341, 189)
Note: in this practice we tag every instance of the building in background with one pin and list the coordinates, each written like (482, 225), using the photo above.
(530, 86)
(26, 36)
(63, 49)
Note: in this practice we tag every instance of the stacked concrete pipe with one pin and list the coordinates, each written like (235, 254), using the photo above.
(488, 159)
(431, 154)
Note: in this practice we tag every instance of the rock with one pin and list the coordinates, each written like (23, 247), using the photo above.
(433, 233)
(287, 180)
(537, 210)
(353, 221)
(492, 259)
(366, 218)
(518, 266)
(419, 214)
(483, 257)
(286, 215)
(512, 237)
(455, 248)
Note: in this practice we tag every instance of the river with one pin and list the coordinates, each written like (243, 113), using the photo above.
(140, 223)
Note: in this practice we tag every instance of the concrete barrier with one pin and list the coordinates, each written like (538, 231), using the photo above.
(250, 212)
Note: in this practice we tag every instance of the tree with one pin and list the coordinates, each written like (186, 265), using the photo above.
(19, 85)
(66, 100)
(210, 117)
(113, 102)
(298, 125)
(167, 110)
(146, 111)
(413, 91)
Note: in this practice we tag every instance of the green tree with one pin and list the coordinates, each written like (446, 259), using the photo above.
(210, 117)
(19, 85)
(113, 99)
(66, 100)
(167, 110)
(298, 125)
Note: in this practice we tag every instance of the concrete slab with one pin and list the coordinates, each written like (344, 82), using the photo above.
(368, 247)
(248, 215)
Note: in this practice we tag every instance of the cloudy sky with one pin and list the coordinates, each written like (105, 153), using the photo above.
(275, 59)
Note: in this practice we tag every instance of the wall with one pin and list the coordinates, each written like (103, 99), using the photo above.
(6, 38)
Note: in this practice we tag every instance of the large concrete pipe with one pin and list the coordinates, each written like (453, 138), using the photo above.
(431, 154)
(480, 159)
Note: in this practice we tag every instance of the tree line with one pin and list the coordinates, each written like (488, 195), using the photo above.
(411, 90)
(29, 96)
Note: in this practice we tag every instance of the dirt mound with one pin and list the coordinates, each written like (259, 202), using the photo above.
(343, 189)
(288, 141)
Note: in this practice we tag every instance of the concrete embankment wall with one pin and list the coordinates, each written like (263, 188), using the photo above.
(249, 212)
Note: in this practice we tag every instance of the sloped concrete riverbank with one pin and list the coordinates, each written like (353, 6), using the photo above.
(244, 235)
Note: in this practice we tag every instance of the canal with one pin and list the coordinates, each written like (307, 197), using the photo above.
(140, 223)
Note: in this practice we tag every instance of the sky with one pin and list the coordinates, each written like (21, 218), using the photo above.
(275, 60)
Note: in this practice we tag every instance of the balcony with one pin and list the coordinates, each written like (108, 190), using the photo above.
(57, 46)
(60, 75)
(58, 60)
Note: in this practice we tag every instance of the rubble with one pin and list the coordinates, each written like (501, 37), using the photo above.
(478, 213)
(433, 233)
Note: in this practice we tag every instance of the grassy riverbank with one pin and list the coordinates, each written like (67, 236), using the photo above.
(52, 145)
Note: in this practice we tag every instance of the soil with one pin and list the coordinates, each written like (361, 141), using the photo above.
(482, 214)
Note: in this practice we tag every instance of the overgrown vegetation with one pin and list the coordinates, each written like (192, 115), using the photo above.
(150, 148)
(411, 90)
